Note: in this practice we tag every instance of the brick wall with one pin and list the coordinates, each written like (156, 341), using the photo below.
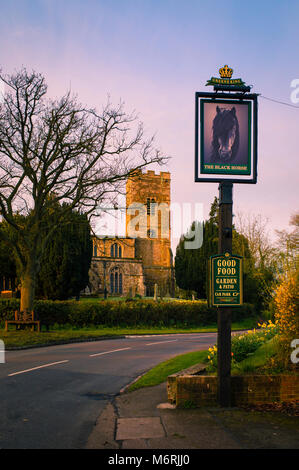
(249, 389)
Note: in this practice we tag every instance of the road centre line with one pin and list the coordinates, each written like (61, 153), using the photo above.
(108, 352)
(160, 342)
(38, 367)
(208, 335)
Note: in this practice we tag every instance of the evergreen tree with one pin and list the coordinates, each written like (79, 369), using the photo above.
(67, 257)
(191, 266)
(7, 265)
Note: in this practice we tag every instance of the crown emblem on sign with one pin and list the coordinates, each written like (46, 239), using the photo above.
(225, 72)
(225, 79)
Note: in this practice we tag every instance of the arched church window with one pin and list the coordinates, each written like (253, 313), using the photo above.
(115, 251)
(116, 281)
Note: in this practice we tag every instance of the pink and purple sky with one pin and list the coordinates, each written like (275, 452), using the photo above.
(154, 55)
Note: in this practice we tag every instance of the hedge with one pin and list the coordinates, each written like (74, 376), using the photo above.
(124, 313)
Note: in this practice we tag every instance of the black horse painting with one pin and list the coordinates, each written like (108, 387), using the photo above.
(225, 143)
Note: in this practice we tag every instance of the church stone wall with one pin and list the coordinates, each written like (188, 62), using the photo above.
(103, 246)
(132, 276)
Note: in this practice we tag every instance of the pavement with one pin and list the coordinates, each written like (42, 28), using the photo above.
(143, 419)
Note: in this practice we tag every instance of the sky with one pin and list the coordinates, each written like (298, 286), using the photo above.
(154, 55)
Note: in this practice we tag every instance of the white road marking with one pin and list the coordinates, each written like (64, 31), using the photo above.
(108, 352)
(189, 335)
(160, 342)
(35, 368)
(154, 335)
(208, 335)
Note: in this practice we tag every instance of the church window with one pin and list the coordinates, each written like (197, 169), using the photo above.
(116, 281)
(115, 251)
(150, 206)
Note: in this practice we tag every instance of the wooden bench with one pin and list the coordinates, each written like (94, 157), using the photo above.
(23, 319)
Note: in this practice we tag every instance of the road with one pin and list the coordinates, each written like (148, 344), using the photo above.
(51, 397)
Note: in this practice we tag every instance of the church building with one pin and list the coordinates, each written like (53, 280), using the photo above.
(130, 265)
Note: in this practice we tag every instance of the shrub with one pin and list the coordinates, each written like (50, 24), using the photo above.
(243, 345)
(7, 309)
(287, 314)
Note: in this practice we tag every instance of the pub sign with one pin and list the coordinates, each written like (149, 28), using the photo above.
(226, 132)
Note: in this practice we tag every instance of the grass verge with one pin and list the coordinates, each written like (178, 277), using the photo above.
(160, 372)
(27, 338)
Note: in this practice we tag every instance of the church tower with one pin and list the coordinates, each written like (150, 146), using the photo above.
(153, 229)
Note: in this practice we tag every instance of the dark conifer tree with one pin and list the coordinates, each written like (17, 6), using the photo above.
(67, 257)
(8, 271)
(191, 266)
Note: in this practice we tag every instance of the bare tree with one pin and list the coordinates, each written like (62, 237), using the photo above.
(288, 244)
(58, 150)
(254, 228)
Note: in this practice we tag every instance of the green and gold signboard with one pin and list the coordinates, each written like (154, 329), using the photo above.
(226, 280)
(226, 131)
(225, 78)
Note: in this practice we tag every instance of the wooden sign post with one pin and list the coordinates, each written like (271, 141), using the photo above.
(224, 313)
